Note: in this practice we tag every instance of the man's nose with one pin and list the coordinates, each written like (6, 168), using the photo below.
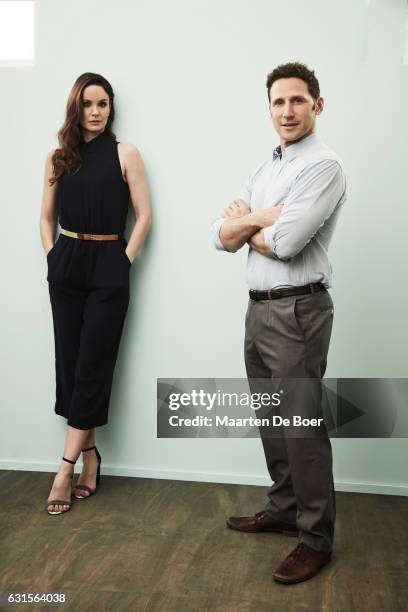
(288, 110)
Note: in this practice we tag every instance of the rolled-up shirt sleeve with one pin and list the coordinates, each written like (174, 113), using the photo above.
(317, 191)
(215, 233)
(244, 194)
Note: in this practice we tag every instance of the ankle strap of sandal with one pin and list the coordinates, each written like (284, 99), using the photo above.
(87, 449)
(69, 461)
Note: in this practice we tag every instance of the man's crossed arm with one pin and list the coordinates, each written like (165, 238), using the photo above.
(314, 196)
(241, 225)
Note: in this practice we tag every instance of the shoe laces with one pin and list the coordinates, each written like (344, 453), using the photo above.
(296, 553)
(260, 514)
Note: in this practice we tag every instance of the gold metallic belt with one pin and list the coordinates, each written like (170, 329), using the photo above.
(90, 236)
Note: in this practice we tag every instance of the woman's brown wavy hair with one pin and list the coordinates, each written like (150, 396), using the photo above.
(67, 158)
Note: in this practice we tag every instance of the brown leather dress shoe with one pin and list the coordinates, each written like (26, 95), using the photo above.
(261, 522)
(302, 563)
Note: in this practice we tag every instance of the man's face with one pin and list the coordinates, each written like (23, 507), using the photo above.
(293, 110)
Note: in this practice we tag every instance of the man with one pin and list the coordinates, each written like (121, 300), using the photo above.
(287, 213)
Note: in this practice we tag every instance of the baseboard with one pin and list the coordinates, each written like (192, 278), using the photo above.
(215, 477)
(378, 488)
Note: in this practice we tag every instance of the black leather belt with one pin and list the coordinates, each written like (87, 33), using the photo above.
(275, 294)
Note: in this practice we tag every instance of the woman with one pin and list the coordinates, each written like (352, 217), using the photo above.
(89, 180)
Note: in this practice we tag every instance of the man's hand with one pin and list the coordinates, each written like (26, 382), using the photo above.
(257, 242)
(268, 216)
(240, 224)
(238, 208)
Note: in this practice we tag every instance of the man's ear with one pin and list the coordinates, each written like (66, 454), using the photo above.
(319, 105)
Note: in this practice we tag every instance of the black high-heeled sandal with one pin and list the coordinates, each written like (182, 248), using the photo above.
(98, 476)
(61, 502)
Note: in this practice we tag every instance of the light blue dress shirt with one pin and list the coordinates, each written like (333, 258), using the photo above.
(309, 181)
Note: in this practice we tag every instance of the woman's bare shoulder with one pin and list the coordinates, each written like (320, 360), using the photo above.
(130, 152)
(128, 147)
(50, 155)
(48, 159)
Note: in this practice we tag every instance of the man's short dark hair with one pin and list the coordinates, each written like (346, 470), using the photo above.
(297, 70)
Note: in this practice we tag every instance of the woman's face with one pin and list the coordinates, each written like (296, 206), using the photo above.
(95, 108)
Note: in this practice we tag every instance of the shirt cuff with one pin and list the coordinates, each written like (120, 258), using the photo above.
(215, 234)
(269, 241)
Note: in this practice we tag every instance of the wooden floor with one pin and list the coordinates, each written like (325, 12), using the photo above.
(160, 545)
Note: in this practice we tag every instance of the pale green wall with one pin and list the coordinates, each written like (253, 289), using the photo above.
(189, 79)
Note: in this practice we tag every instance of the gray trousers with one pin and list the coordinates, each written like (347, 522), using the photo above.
(289, 338)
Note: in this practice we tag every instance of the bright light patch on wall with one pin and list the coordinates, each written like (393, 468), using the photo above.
(16, 33)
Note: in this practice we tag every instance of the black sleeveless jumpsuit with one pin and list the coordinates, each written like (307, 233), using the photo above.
(88, 283)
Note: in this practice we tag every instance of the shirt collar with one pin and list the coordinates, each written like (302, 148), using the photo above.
(296, 149)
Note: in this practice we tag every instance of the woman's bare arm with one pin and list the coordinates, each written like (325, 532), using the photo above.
(139, 194)
(47, 216)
